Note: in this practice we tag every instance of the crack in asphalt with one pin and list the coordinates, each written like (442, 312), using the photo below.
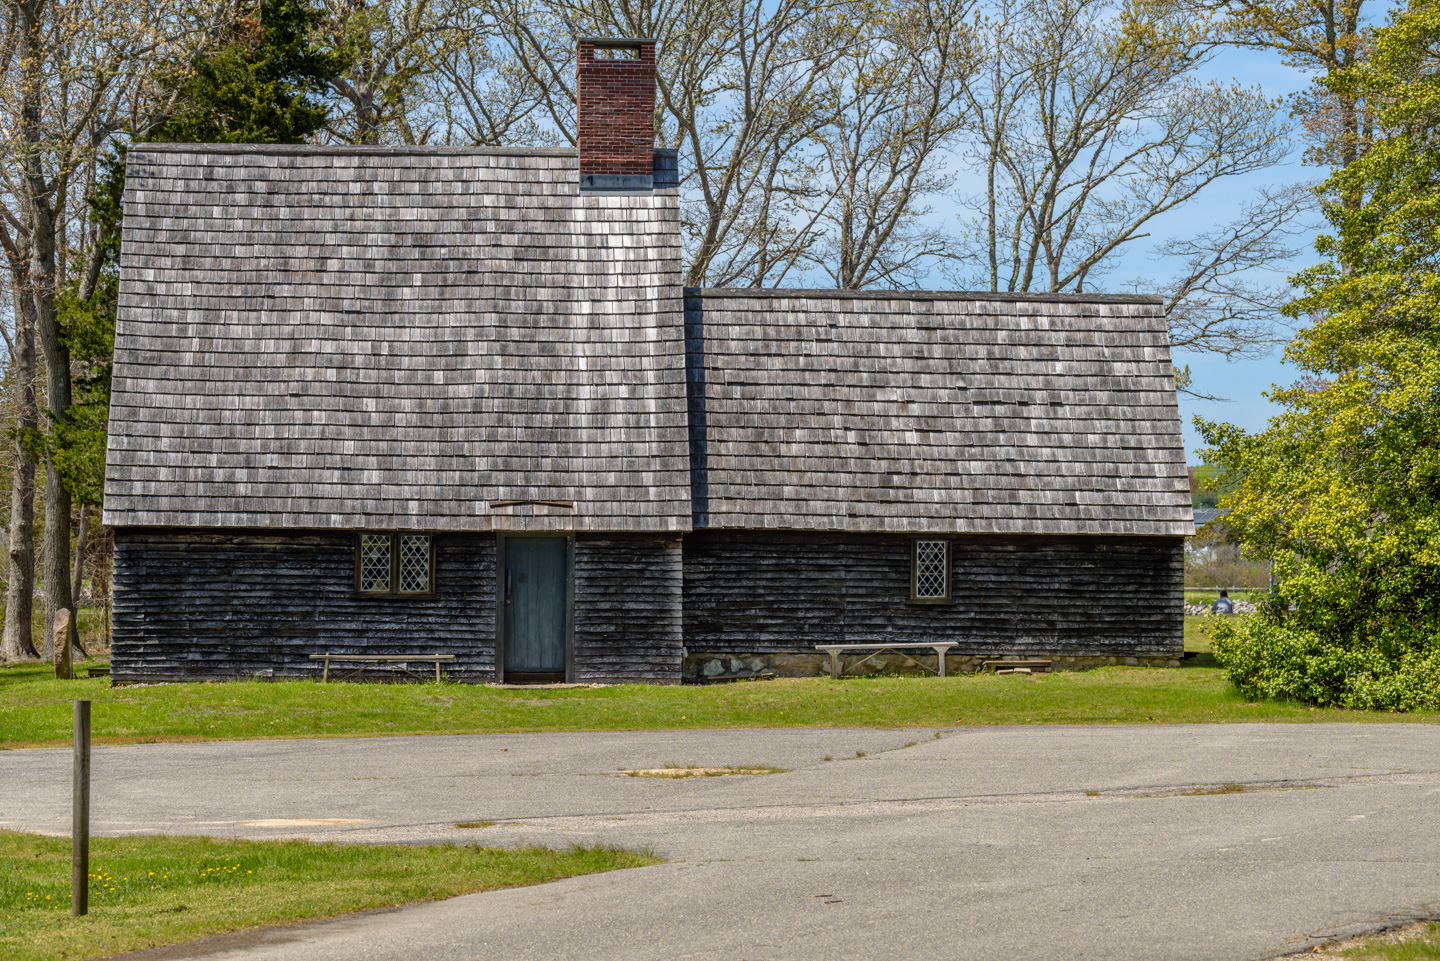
(867, 807)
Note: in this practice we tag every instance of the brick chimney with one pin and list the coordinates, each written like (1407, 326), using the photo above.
(615, 114)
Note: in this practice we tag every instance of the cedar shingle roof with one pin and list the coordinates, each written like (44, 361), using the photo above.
(422, 337)
(972, 413)
(395, 338)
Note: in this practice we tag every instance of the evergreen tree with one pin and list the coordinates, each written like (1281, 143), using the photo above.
(1342, 490)
(259, 85)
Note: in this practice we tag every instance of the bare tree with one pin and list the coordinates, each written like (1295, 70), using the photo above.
(478, 96)
(396, 49)
(1230, 288)
(1226, 297)
(16, 641)
(894, 104)
(1089, 125)
(1103, 130)
(741, 87)
(73, 74)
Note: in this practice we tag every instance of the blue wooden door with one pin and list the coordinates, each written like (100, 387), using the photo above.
(535, 574)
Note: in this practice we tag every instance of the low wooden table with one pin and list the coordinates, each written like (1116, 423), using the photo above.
(1029, 664)
(367, 661)
(836, 665)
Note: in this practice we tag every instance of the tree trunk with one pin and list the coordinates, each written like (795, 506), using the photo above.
(79, 584)
(56, 549)
(57, 535)
(39, 200)
(16, 641)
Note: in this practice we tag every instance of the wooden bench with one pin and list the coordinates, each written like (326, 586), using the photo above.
(836, 664)
(367, 661)
(1033, 665)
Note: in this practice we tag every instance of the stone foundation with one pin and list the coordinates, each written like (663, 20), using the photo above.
(699, 667)
(1197, 610)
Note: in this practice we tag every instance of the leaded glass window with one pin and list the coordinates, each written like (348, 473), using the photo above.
(414, 563)
(374, 562)
(931, 579)
(395, 564)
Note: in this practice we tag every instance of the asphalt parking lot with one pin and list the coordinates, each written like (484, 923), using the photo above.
(1155, 842)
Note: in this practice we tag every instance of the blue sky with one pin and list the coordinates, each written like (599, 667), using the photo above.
(1245, 382)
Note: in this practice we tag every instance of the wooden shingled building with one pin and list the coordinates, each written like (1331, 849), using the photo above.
(429, 400)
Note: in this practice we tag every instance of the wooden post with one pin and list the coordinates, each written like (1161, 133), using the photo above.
(63, 667)
(80, 815)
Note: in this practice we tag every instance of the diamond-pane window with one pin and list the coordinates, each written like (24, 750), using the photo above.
(375, 562)
(932, 570)
(395, 564)
(414, 563)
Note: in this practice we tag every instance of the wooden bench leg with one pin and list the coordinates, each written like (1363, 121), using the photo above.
(325, 677)
(940, 656)
(834, 664)
(437, 672)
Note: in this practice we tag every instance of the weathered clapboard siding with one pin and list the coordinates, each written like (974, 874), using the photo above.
(628, 600)
(777, 592)
(192, 605)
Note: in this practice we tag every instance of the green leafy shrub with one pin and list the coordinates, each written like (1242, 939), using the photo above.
(1267, 659)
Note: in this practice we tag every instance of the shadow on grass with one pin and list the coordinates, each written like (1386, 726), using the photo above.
(25, 672)
(21, 673)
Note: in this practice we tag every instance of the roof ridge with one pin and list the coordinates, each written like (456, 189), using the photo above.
(351, 149)
(963, 295)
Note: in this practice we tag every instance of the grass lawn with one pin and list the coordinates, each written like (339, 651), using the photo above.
(147, 891)
(1417, 943)
(35, 708)
(1197, 633)
(1210, 597)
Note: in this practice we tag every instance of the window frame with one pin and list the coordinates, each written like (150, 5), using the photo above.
(949, 595)
(392, 591)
